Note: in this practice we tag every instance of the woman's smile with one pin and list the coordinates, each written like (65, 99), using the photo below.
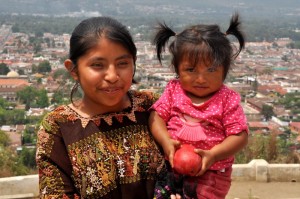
(111, 90)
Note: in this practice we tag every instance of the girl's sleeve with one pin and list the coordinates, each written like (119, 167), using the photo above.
(53, 162)
(234, 118)
(163, 105)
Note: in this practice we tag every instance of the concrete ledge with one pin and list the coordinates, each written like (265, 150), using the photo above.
(282, 173)
(23, 196)
(261, 171)
(15, 187)
(257, 170)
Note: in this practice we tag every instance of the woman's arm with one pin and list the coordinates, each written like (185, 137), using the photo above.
(53, 163)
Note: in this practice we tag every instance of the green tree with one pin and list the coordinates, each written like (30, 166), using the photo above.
(44, 67)
(7, 160)
(10, 117)
(34, 68)
(59, 73)
(15, 28)
(27, 157)
(267, 112)
(39, 81)
(285, 58)
(21, 72)
(4, 103)
(33, 98)
(10, 163)
(27, 96)
(3, 69)
(4, 139)
(58, 97)
(42, 100)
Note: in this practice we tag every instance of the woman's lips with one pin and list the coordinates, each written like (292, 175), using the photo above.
(111, 90)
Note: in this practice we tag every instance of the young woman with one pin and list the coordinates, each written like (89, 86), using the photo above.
(99, 146)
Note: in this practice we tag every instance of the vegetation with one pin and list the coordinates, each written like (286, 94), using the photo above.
(274, 27)
(3, 69)
(44, 67)
(271, 147)
(33, 98)
(291, 101)
(267, 112)
(22, 161)
(13, 163)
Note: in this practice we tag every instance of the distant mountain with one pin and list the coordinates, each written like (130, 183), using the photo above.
(262, 19)
(153, 8)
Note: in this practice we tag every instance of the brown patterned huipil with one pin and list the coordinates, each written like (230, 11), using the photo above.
(107, 156)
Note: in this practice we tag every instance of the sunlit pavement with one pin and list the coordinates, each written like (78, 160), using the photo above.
(263, 190)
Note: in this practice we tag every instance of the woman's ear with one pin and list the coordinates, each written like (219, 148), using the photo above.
(70, 67)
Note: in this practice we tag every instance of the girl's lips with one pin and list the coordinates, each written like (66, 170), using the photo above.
(200, 87)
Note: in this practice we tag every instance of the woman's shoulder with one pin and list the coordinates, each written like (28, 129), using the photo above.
(146, 97)
(61, 113)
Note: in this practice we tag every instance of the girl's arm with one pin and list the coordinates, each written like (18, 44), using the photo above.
(230, 146)
(160, 133)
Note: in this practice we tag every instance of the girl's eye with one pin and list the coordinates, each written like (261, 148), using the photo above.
(190, 69)
(212, 69)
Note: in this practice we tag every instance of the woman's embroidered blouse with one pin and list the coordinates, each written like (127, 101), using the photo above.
(107, 156)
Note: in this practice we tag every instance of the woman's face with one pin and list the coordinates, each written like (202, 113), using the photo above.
(105, 74)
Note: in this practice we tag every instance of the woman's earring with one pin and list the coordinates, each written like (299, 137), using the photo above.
(75, 86)
(76, 91)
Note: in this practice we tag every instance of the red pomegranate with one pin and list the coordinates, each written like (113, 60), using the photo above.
(186, 161)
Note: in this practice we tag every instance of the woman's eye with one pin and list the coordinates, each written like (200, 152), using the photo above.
(123, 64)
(98, 65)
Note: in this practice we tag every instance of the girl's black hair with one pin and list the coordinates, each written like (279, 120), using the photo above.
(201, 43)
(87, 33)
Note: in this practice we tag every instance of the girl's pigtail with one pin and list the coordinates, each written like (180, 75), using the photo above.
(234, 29)
(161, 38)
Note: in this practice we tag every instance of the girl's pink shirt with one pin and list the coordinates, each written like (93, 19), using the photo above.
(221, 116)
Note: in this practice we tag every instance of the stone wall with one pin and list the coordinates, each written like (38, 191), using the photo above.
(257, 170)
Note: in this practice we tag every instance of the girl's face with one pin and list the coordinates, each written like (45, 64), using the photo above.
(105, 74)
(200, 82)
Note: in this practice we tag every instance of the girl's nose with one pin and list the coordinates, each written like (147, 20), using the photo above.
(112, 75)
(200, 78)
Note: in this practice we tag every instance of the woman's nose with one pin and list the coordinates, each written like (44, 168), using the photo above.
(112, 75)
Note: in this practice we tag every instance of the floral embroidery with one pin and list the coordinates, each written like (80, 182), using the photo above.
(100, 160)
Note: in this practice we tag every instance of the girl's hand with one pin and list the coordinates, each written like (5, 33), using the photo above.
(169, 148)
(230, 146)
(208, 159)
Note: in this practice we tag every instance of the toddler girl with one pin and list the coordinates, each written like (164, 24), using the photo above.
(197, 108)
